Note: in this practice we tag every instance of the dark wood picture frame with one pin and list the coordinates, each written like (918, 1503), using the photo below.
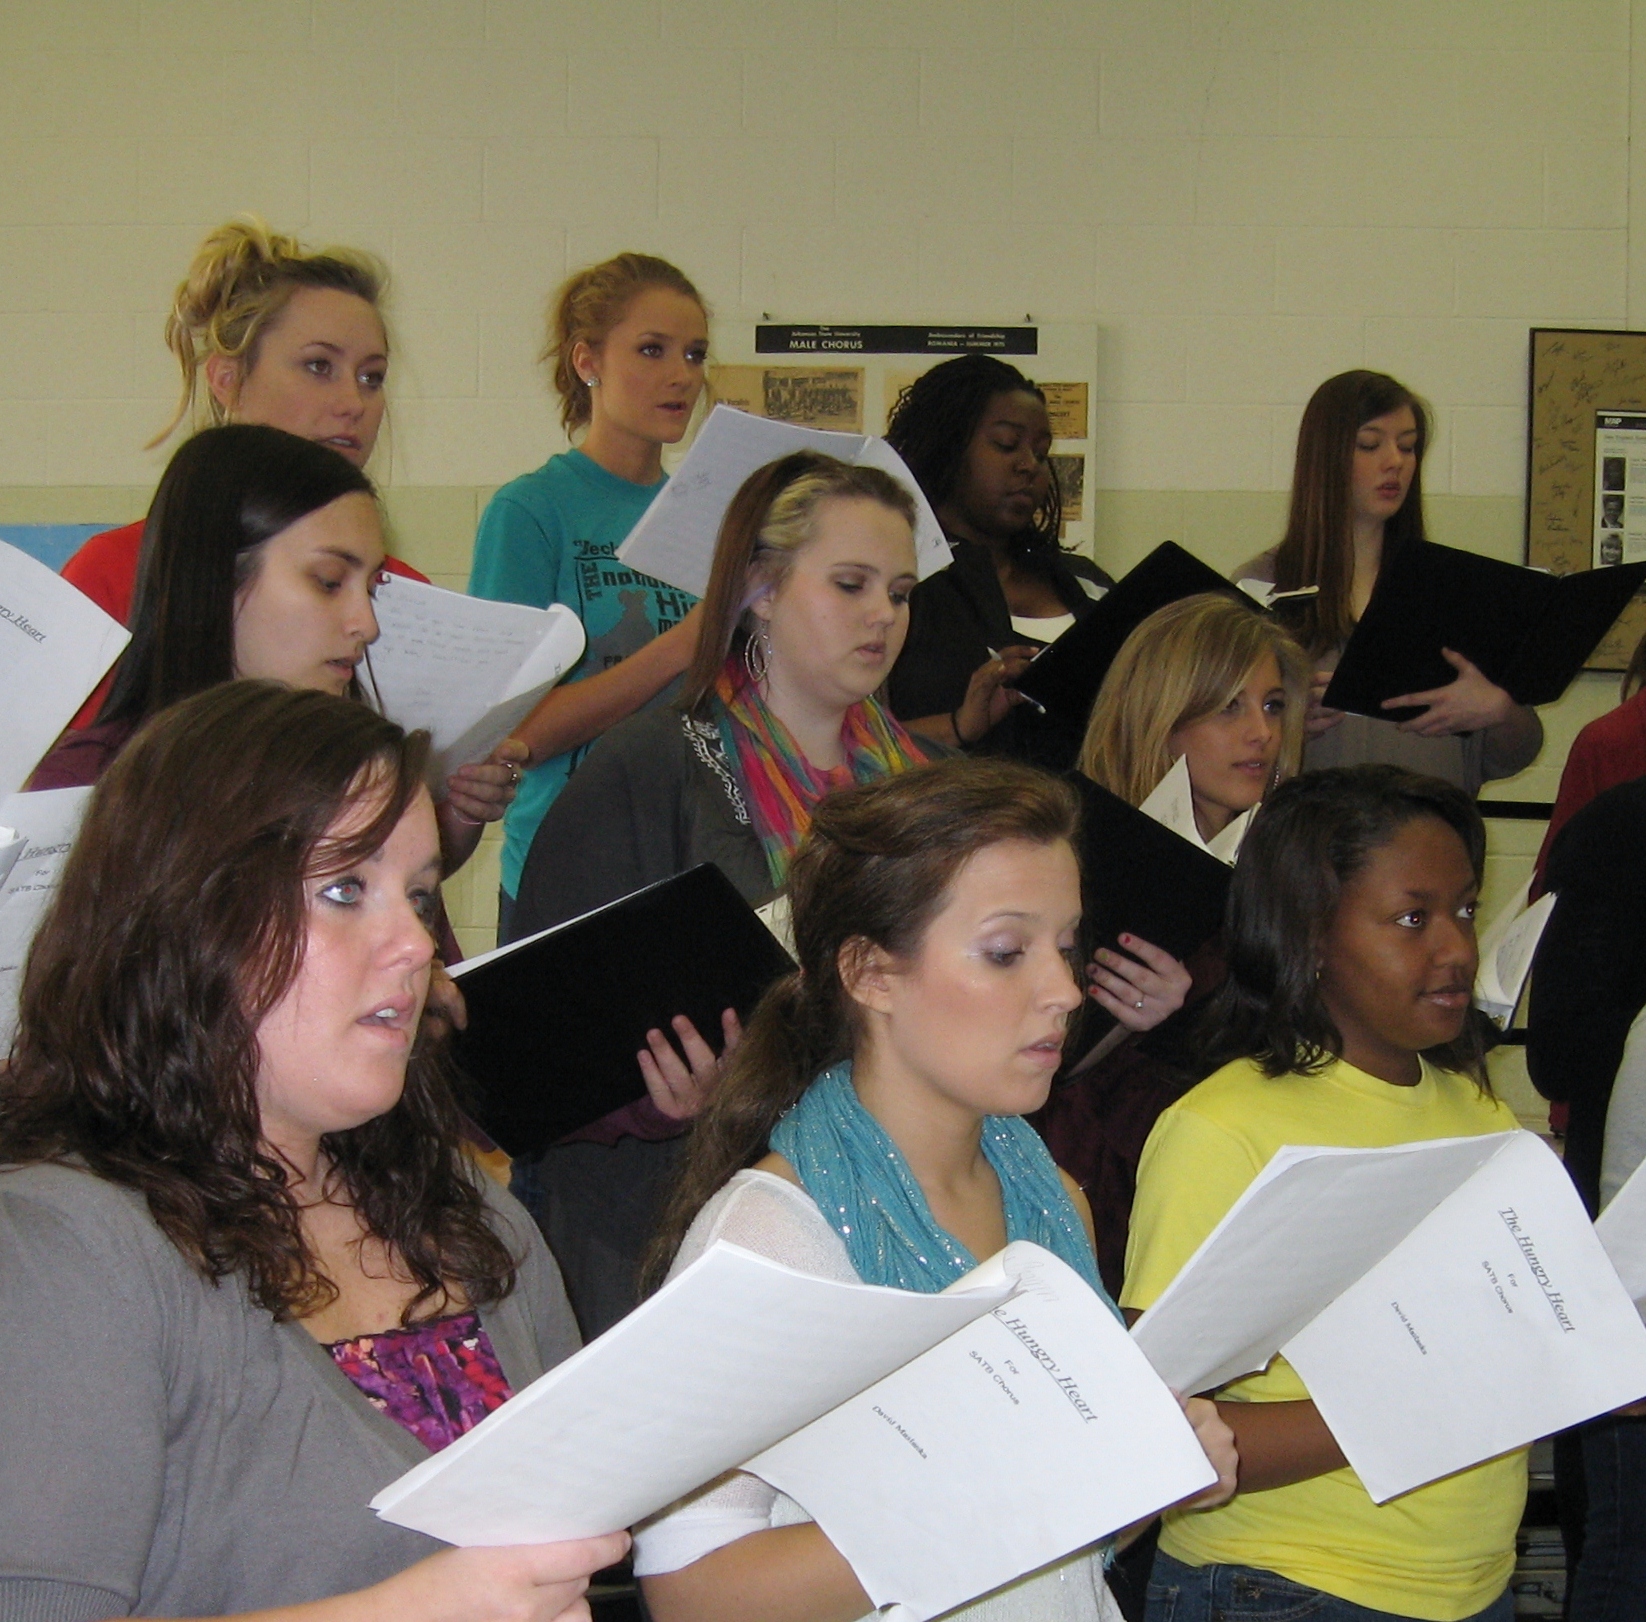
(1573, 372)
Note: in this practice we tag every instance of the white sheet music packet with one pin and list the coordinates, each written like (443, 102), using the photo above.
(675, 538)
(1007, 1421)
(1507, 947)
(55, 646)
(1444, 1302)
(467, 669)
(37, 832)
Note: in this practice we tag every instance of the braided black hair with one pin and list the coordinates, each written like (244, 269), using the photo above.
(931, 427)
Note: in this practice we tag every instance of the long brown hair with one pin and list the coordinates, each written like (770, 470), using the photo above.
(586, 306)
(1316, 549)
(771, 517)
(181, 921)
(1184, 662)
(874, 871)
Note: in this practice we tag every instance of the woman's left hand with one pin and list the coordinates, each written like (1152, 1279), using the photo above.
(1469, 703)
(1140, 994)
(483, 791)
(1217, 1441)
(680, 1087)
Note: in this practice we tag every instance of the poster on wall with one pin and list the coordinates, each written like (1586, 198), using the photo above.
(1585, 430)
(855, 387)
(1620, 488)
(829, 397)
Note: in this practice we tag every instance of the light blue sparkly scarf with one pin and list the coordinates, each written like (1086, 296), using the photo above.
(864, 1187)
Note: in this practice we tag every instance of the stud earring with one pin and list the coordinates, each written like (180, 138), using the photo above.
(757, 656)
(591, 382)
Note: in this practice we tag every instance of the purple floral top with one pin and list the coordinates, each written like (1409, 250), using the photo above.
(437, 1380)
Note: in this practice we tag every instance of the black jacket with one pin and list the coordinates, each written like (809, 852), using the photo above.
(1589, 975)
(959, 619)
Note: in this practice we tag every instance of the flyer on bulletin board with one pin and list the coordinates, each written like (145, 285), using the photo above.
(1620, 488)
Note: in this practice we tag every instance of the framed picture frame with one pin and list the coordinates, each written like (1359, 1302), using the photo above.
(1586, 413)
(856, 390)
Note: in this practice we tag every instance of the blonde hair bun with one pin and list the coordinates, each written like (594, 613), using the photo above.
(586, 306)
(240, 279)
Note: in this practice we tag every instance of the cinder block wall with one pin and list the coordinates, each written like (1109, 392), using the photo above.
(1244, 195)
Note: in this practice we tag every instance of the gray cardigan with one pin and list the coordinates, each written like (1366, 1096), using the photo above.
(656, 796)
(166, 1447)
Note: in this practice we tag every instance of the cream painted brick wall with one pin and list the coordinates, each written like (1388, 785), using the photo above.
(1239, 193)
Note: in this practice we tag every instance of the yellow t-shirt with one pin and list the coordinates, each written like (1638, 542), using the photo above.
(1441, 1552)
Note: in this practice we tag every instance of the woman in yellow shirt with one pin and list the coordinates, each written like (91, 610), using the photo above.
(1345, 1020)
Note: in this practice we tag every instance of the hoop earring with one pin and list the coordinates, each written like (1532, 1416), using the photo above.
(757, 656)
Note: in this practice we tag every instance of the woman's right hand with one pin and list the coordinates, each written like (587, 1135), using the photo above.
(987, 697)
(1320, 719)
(534, 1582)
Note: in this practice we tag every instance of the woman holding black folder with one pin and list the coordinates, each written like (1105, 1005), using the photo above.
(870, 1128)
(976, 435)
(1211, 683)
(805, 613)
(1357, 496)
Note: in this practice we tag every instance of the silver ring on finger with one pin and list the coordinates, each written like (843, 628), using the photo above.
(1138, 1004)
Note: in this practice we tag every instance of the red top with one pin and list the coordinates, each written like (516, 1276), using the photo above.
(105, 569)
(1610, 750)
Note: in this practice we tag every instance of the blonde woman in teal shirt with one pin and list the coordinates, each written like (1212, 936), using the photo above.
(627, 344)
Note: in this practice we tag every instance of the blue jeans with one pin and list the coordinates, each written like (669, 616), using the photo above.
(1610, 1582)
(1180, 1593)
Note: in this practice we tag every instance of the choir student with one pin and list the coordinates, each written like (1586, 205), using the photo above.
(627, 343)
(260, 556)
(1583, 1051)
(264, 331)
(806, 610)
(1357, 496)
(975, 434)
(870, 1127)
(1610, 750)
(247, 1274)
(1212, 682)
(1346, 1019)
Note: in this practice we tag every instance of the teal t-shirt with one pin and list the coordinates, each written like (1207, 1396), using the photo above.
(552, 537)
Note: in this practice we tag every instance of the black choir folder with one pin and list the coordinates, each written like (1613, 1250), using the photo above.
(556, 1019)
(1528, 631)
(1065, 679)
(1141, 878)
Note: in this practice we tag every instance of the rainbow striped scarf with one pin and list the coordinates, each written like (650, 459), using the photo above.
(781, 784)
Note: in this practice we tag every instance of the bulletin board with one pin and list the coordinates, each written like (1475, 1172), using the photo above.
(1577, 378)
(855, 394)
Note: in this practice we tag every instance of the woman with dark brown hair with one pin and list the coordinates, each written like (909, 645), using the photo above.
(870, 1128)
(1357, 497)
(247, 1274)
